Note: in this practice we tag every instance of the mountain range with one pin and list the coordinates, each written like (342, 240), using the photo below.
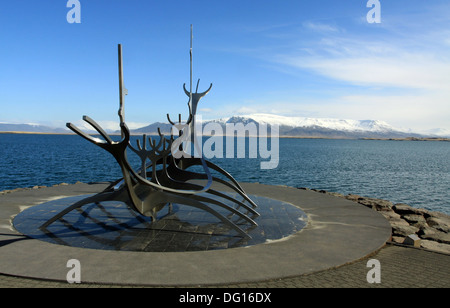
(288, 127)
(31, 128)
(311, 127)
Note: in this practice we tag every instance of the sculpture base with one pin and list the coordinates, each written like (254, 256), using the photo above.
(338, 232)
(112, 225)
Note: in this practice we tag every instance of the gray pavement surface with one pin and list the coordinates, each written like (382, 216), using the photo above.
(401, 267)
(332, 251)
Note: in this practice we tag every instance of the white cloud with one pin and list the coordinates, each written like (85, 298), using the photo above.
(205, 110)
(109, 126)
(396, 78)
(399, 70)
(320, 27)
(245, 110)
(417, 112)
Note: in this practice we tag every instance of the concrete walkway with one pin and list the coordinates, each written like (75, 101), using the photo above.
(401, 267)
(332, 251)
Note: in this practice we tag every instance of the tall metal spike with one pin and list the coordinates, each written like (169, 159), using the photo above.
(121, 94)
(190, 54)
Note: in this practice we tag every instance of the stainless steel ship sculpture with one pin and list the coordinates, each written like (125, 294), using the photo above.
(164, 178)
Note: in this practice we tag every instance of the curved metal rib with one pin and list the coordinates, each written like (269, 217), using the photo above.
(186, 163)
(97, 128)
(200, 95)
(161, 197)
(168, 180)
(103, 196)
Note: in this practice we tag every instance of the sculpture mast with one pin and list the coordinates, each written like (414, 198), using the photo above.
(190, 54)
(122, 90)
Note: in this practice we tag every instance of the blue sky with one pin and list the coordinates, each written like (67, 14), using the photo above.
(312, 58)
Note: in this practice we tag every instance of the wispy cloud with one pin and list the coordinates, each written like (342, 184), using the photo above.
(399, 70)
(321, 27)
(409, 61)
(110, 126)
(390, 60)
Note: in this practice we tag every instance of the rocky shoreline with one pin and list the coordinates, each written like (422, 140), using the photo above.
(410, 226)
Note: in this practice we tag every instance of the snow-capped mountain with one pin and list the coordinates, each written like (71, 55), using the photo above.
(330, 123)
(288, 127)
(322, 127)
(31, 128)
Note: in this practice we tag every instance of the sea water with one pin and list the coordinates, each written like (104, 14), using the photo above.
(412, 172)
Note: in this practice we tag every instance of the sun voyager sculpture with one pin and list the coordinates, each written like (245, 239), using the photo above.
(163, 178)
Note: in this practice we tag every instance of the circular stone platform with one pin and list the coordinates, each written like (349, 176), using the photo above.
(112, 225)
(338, 231)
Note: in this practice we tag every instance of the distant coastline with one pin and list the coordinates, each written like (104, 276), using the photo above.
(285, 137)
(36, 133)
(411, 139)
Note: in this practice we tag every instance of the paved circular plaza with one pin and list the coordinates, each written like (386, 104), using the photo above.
(335, 232)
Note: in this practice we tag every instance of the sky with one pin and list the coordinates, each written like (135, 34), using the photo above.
(305, 58)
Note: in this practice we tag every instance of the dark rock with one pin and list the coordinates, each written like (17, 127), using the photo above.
(335, 194)
(414, 218)
(401, 229)
(431, 233)
(404, 209)
(376, 204)
(353, 197)
(398, 239)
(390, 215)
(438, 215)
(440, 224)
(435, 246)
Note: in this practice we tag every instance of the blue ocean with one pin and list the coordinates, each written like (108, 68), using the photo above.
(412, 172)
